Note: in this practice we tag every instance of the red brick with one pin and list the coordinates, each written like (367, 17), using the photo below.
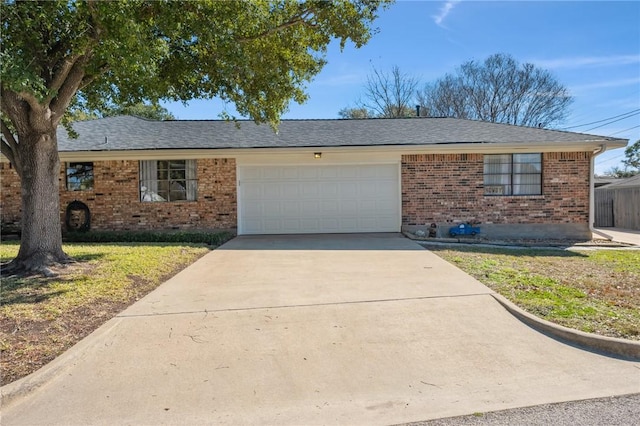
(115, 204)
(449, 188)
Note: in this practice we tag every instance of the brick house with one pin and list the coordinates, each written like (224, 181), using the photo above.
(325, 176)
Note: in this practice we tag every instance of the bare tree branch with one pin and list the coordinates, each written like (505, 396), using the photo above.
(498, 90)
(389, 95)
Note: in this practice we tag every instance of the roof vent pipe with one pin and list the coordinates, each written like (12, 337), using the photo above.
(417, 110)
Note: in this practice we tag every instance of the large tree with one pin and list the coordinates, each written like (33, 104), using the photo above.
(498, 90)
(57, 54)
(386, 95)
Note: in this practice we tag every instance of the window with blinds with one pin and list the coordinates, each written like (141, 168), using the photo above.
(168, 180)
(513, 174)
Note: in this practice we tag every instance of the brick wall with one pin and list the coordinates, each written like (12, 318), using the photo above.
(449, 188)
(115, 203)
(10, 198)
(441, 188)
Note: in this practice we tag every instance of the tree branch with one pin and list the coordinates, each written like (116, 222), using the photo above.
(10, 140)
(88, 79)
(6, 151)
(31, 100)
(298, 19)
(9, 147)
(61, 76)
(68, 89)
(13, 107)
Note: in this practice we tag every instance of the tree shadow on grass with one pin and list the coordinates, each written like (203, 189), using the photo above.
(31, 289)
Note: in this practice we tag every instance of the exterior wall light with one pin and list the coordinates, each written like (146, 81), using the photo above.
(317, 155)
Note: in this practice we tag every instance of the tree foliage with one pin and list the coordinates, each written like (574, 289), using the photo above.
(355, 113)
(140, 109)
(89, 54)
(620, 173)
(498, 90)
(632, 154)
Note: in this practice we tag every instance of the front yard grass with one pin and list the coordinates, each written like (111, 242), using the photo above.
(42, 317)
(596, 291)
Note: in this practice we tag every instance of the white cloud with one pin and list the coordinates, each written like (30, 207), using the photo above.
(446, 8)
(587, 61)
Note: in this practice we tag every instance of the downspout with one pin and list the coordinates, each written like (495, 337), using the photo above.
(592, 201)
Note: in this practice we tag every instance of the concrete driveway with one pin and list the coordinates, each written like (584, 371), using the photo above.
(298, 330)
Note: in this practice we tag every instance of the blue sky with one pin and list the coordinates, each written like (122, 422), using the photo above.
(592, 47)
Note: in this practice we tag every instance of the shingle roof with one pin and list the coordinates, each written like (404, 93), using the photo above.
(134, 133)
(632, 182)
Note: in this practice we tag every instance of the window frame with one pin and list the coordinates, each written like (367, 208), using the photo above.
(80, 185)
(512, 175)
(162, 181)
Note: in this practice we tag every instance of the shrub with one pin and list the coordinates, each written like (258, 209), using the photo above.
(214, 238)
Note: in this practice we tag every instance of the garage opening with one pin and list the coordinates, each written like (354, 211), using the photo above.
(318, 199)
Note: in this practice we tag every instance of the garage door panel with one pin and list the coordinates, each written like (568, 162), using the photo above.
(292, 224)
(369, 189)
(290, 208)
(349, 189)
(290, 190)
(387, 186)
(309, 173)
(310, 224)
(367, 205)
(329, 189)
(316, 199)
(309, 190)
(329, 208)
(349, 208)
(271, 208)
(252, 190)
(331, 173)
(309, 208)
(271, 173)
(292, 173)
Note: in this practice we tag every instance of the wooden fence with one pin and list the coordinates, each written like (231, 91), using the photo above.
(618, 207)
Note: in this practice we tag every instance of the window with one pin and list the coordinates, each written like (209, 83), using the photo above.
(513, 174)
(79, 176)
(168, 180)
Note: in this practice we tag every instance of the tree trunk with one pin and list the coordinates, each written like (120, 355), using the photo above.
(41, 242)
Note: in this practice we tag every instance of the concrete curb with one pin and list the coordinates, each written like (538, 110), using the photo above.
(28, 384)
(623, 348)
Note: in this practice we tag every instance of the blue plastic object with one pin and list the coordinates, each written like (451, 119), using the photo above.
(464, 229)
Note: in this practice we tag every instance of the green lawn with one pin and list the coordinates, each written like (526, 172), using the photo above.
(596, 291)
(42, 317)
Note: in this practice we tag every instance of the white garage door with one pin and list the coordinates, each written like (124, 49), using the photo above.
(319, 199)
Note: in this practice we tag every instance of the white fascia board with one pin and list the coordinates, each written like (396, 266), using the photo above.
(392, 151)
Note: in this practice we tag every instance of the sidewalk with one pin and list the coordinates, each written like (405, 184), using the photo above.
(620, 235)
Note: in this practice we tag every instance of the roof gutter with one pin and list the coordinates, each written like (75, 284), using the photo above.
(592, 202)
